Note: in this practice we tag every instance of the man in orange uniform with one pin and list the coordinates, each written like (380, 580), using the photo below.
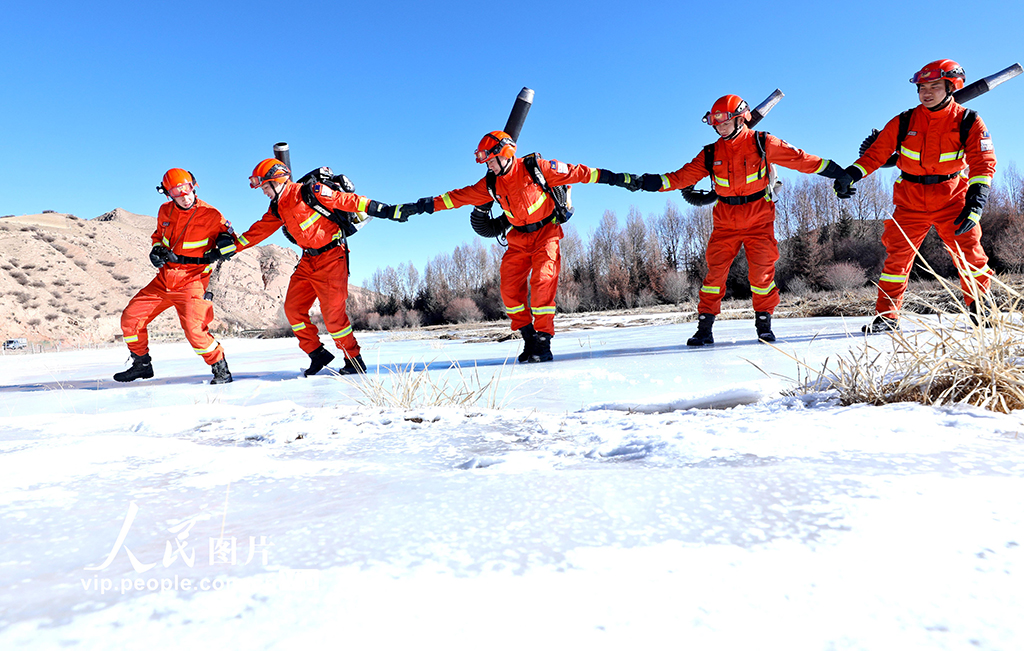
(190, 235)
(532, 261)
(942, 140)
(740, 166)
(322, 272)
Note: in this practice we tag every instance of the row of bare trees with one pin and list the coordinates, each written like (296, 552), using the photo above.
(823, 244)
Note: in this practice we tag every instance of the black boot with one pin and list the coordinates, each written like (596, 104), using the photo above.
(982, 310)
(353, 366)
(221, 374)
(763, 323)
(703, 335)
(541, 348)
(318, 359)
(529, 343)
(881, 324)
(141, 368)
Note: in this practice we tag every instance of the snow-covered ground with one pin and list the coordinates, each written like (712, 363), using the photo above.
(632, 494)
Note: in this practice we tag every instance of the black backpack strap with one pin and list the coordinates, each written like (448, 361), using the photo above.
(967, 121)
(492, 180)
(558, 195)
(904, 128)
(709, 158)
(761, 140)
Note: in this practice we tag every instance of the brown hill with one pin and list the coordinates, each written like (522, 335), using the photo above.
(66, 280)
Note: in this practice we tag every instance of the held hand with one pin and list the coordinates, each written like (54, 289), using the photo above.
(650, 182)
(619, 179)
(843, 184)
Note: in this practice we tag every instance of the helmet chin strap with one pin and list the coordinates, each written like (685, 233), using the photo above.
(504, 167)
(945, 100)
(736, 127)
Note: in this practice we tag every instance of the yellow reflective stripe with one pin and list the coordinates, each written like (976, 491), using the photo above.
(208, 268)
(951, 155)
(298, 326)
(166, 242)
(514, 310)
(540, 202)
(761, 291)
(891, 278)
(342, 333)
(229, 248)
(196, 244)
(507, 214)
(546, 309)
(309, 222)
(722, 182)
(863, 171)
(910, 153)
(984, 271)
(711, 290)
(131, 339)
(447, 201)
(209, 349)
(987, 180)
(362, 204)
(242, 240)
(594, 174)
(665, 184)
(759, 174)
(824, 164)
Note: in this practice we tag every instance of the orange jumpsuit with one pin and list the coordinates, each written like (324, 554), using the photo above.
(740, 171)
(322, 272)
(189, 233)
(932, 147)
(533, 260)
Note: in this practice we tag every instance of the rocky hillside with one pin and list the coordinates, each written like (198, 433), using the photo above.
(65, 280)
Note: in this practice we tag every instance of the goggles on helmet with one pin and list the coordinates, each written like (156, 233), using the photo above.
(180, 190)
(934, 74)
(484, 155)
(276, 171)
(714, 118)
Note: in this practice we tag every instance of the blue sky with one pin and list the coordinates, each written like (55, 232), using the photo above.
(100, 99)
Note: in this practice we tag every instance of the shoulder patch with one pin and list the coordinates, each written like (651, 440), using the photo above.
(785, 144)
(986, 144)
(911, 133)
(322, 190)
(718, 162)
(559, 167)
(165, 224)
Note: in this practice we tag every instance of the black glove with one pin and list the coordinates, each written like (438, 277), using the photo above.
(619, 179)
(844, 180)
(424, 205)
(223, 248)
(161, 255)
(974, 205)
(650, 182)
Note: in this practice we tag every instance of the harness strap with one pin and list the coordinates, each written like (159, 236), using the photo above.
(183, 259)
(323, 249)
(739, 201)
(536, 226)
(928, 179)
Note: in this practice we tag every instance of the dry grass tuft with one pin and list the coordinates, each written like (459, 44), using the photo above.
(939, 361)
(404, 387)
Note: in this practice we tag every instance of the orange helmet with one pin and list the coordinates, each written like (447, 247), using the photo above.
(495, 143)
(726, 108)
(942, 69)
(177, 183)
(268, 169)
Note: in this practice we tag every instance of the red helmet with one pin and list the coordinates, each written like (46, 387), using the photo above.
(177, 183)
(495, 143)
(942, 69)
(269, 169)
(726, 108)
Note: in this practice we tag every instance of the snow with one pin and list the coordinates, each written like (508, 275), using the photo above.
(634, 492)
